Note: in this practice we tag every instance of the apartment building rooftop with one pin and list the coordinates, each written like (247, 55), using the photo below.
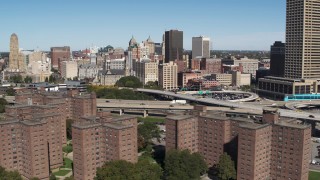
(179, 117)
(86, 124)
(117, 126)
(253, 125)
(122, 118)
(33, 122)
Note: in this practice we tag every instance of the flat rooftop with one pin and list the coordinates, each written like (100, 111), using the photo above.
(252, 125)
(179, 117)
(117, 126)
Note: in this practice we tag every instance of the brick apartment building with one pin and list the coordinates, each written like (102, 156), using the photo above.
(33, 131)
(99, 140)
(264, 148)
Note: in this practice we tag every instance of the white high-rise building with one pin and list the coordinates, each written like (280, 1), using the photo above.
(69, 69)
(146, 71)
(168, 75)
(302, 56)
(200, 47)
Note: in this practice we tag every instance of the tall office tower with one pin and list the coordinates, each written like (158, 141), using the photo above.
(129, 64)
(277, 58)
(168, 75)
(302, 39)
(16, 59)
(173, 45)
(200, 47)
(134, 48)
(157, 48)
(147, 71)
(150, 44)
(59, 54)
(163, 44)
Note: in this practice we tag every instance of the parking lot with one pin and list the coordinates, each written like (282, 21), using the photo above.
(314, 153)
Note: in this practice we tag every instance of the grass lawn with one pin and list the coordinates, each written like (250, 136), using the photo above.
(62, 173)
(152, 119)
(67, 163)
(313, 175)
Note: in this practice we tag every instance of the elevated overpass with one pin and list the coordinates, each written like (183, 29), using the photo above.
(241, 105)
(251, 96)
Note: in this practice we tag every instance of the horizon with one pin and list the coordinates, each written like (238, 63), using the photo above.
(246, 25)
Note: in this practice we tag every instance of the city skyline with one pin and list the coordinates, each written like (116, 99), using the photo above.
(230, 25)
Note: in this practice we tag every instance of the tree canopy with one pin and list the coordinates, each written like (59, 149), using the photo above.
(115, 93)
(10, 91)
(28, 79)
(129, 81)
(152, 85)
(116, 170)
(3, 103)
(16, 79)
(226, 168)
(184, 165)
(146, 132)
(9, 175)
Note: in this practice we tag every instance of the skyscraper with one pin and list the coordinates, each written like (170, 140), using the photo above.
(16, 60)
(200, 47)
(14, 52)
(173, 45)
(302, 39)
(277, 57)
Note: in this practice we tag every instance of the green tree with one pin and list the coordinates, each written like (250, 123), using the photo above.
(115, 93)
(9, 175)
(3, 103)
(10, 91)
(52, 79)
(67, 149)
(152, 85)
(28, 79)
(184, 165)
(226, 168)
(129, 81)
(34, 178)
(145, 170)
(52, 177)
(146, 132)
(16, 79)
(115, 170)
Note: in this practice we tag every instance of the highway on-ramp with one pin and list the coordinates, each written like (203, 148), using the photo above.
(242, 105)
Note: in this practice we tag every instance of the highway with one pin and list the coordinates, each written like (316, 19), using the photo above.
(241, 105)
(160, 105)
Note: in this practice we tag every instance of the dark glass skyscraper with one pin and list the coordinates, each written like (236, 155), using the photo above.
(277, 58)
(173, 45)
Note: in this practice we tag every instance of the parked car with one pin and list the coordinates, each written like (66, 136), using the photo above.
(311, 116)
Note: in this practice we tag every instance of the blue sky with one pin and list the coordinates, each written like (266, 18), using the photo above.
(231, 24)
